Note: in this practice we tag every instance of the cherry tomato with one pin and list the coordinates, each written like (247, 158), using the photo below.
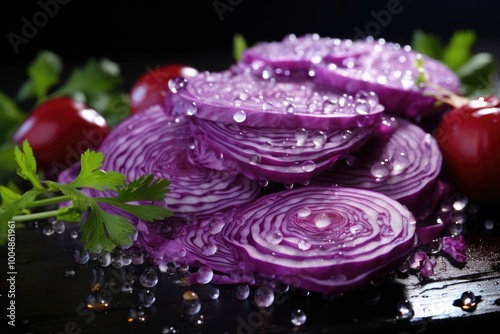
(152, 86)
(469, 138)
(59, 130)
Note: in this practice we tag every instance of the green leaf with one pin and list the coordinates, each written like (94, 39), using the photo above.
(69, 214)
(428, 44)
(113, 106)
(457, 51)
(146, 212)
(6, 214)
(239, 45)
(96, 76)
(105, 231)
(91, 176)
(144, 188)
(11, 117)
(27, 165)
(44, 73)
(477, 75)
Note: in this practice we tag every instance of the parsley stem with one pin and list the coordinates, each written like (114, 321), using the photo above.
(34, 216)
(47, 201)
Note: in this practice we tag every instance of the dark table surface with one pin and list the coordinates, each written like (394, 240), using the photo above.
(48, 301)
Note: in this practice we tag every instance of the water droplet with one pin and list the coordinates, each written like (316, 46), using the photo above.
(177, 84)
(204, 275)
(304, 212)
(149, 278)
(81, 256)
(356, 228)
(59, 227)
(308, 166)
(254, 159)
(319, 139)
(304, 244)
(380, 170)
(73, 235)
(237, 102)
(330, 106)
(362, 107)
(137, 257)
(209, 249)
(127, 288)
(191, 302)
(298, 317)
(242, 291)
(468, 300)
(48, 230)
(346, 134)
(213, 293)
(322, 220)
(215, 226)
(264, 296)
(489, 224)
(274, 237)
(290, 109)
(239, 116)
(190, 108)
(136, 315)
(104, 258)
(126, 259)
(169, 330)
(147, 298)
(301, 136)
(435, 246)
(98, 300)
(70, 273)
(460, 201)
(263, 183)
(399, 163)
(405, 310)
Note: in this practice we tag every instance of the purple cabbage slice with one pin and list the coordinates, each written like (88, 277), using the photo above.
(296, 55)
(393, 72)
(154, 142)
(273, 155)
(241, 98)
(325, 239)
(401, 161)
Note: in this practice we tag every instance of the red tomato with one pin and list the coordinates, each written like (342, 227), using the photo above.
(152, 86)
(59, 130)
(469, 138)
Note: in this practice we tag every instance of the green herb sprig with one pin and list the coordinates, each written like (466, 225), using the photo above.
(101, 230)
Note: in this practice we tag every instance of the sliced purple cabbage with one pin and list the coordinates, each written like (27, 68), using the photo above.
(241, 98)
(325, 239)
(273, 155)
(153, 142)
(297, 55)
(392, 72)
(401, 161)
(400, 76)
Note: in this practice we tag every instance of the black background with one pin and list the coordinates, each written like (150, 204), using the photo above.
(164, 31)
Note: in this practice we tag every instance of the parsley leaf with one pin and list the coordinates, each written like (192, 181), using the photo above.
(100, 229)
(27, 165)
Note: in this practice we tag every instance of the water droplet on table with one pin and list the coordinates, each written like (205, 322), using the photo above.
(298, 317)
(191, 303)
(264, 296)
